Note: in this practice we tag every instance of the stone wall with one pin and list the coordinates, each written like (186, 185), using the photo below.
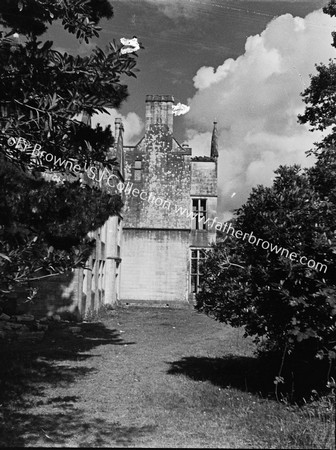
(99, 280)
(203, 178)
(165, 183)
(85, 290)
(161, 179)
(55, 295)
(156, 263)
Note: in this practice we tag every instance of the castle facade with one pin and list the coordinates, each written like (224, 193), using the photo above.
(170, 200)
(151, 253)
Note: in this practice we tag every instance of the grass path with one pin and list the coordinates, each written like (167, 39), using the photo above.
(146, 377)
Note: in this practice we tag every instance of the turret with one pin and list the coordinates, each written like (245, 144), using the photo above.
(214, 142)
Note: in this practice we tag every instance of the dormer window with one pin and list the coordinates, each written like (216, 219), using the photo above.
(137, 170)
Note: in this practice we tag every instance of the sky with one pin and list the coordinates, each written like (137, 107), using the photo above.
(242, 63)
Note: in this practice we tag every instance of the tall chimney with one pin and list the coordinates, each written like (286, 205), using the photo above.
(159, 111)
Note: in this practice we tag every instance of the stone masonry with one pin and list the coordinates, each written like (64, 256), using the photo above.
(157, 240)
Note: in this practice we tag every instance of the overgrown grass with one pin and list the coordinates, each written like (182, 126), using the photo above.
(275, 425)
(258, 417)
(310, 426)
(152, 378)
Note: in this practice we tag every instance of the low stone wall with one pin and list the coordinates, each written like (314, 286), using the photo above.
(21, 328)
(55, 295)
(25, 328)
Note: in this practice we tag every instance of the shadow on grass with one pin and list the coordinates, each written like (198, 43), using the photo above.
(241, 372)
(254, 375)
(28, 368)
(66, 427)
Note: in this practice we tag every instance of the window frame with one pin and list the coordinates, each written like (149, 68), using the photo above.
(196, 254)
(137, 170)
(199, 207)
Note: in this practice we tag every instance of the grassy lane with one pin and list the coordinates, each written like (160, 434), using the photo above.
(148, 378)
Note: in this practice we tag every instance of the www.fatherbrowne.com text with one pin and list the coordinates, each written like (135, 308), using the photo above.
(224, 227)
(94, 173)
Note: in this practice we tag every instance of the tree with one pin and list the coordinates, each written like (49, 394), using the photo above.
(275, 297)
(44, 94)
(319, 98)
(286, 302)
(286, 305)
(29, 17)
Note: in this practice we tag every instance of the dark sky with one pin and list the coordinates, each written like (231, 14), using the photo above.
(179, 37)
(244, 63)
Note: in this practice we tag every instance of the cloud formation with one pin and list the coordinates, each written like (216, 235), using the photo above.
(180, 109)
(256, 99)
(133, 125)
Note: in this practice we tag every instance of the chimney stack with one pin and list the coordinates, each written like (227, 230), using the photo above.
(159, 111)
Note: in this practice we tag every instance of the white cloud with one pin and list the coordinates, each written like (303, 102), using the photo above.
(133, 125)
(129, 45)
(180, 109)
(256, 99)
(199, 142)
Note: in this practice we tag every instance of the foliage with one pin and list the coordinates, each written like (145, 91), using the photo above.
(79, 17)
(287, 305)
(46, 99)
(43, 92)
(44, 225)
(320, 97)
(273, 296)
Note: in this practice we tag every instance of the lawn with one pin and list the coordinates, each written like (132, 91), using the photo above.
(149, 377)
